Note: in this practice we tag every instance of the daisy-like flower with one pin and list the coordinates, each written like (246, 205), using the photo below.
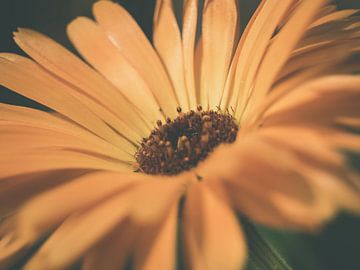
(163, 143)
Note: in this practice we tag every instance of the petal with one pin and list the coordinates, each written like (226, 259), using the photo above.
(16, 139)
(135, 47)
(279, 51)
(218, 38)
(335, 16)
(259, 209)
(41, 160)
(330, 54)
(156, 247)
(290, 186)
(251, 49)
(16, 190)
(321, 161)
(13, 252)
(314, 102)
(84, 82)
(78, 234)
(27, 78)
(17, 116)
(198, 68)
(190, 18)
(205, 215)
(167, 41)
(326, 33)
(153, 199)
(44, 212)
(289, 84)
(113, 251)
(93, 44)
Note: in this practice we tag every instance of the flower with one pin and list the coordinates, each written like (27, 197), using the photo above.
(132, 143)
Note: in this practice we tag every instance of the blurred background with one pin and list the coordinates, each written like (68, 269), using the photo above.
(336, 247)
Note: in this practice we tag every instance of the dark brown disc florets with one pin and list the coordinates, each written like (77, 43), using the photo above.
(182, 143)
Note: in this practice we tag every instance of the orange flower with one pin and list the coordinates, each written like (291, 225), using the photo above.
(99, 179)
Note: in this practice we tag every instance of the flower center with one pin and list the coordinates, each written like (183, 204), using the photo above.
(180, 144)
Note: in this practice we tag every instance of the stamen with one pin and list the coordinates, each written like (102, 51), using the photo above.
(180, 144)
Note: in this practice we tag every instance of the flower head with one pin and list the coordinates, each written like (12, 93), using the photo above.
(194, 125)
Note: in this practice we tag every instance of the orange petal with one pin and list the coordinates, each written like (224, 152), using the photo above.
(137, 50)
(15, 139)
(241, 169)
(327, 54)
(251, 49)
(279, 51)
(198, 68)
(16, 190)
(205, 215)
(112, 252)
(87, 84)
(188, 42)
(43, 212)
(152, 199)
(218, 38)
(315, 102)
(157, 245)
(335, 16)
(92, 42)
(168, 44)
(260, 209)
(52, 159)
(27, 78)
(31, 118)
(78, 234)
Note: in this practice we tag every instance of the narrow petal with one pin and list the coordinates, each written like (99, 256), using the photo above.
(321, 161)
(287, 85)
(112, 252)
(279, 51)
(189, 27)
(27, 78)
(84, 81)
(250, 50)
(78, 234)
(43, 212)
(157, 245)
(335, 16)
(198, 68)
(294, 194)
(205, 215)
(91, 41)
(314, 102)
(153, 199)
(332, 31)
(135, 47)
(168, 44)
(218, 38)
(35, 119)
(259, 209)
(19, 189)
(328, 54)
(16, 139)
(56, 159)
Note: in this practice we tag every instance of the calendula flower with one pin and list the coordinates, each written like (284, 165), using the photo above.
(163, 143)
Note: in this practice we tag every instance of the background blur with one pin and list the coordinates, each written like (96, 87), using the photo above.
(336, 247)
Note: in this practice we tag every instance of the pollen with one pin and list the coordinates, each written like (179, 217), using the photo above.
(180, 144)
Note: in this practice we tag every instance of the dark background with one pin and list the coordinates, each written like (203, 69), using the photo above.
(337, 247)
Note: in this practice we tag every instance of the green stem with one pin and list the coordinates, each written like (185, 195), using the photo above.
(261, 254)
